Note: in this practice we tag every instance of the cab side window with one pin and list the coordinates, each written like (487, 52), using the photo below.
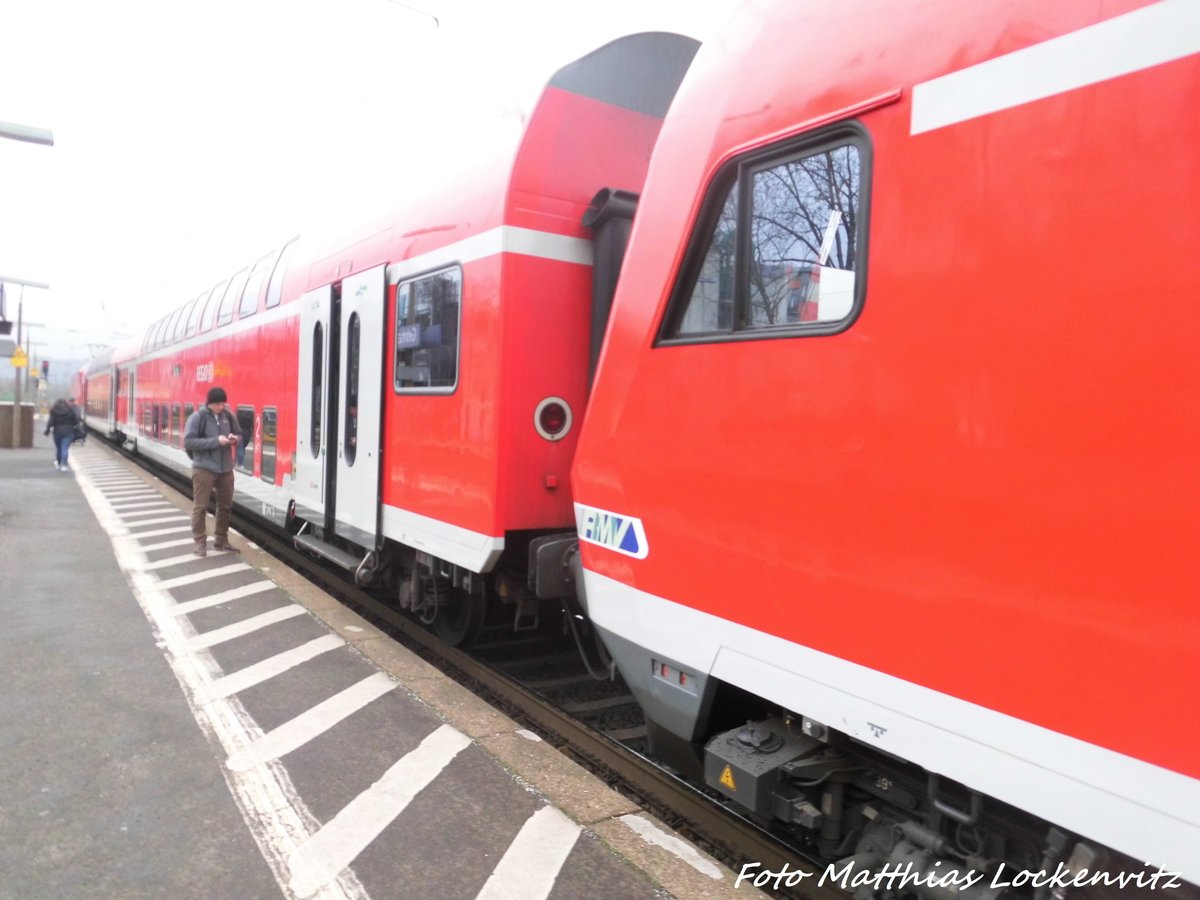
(782, 244)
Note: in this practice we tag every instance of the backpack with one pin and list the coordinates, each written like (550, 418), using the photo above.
(204, 427)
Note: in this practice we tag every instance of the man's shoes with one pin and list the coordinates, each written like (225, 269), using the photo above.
(220, 544)
(200, 549)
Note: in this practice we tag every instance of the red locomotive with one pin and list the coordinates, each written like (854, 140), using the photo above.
(883, 454)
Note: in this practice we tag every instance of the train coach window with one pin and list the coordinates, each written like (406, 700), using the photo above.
(427, 332)
(275, 288)
(188, 409)
(232, 293)
(269, 430)
(147, 428)
(782, 252)
(176, 432)
(254, 286)
(245, 447)
(210, 307)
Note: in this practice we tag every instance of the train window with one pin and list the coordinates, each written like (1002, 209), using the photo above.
(181, 324)
(427, 332)
(269, 430)
(254, 284)
(353, 342)
(275, 288)
(175, 429)
(318, 388)
(193, 320)
(210, 307)
(245, 447)
(188, 409)
(782, 248)
(147, 428)
(232, 293)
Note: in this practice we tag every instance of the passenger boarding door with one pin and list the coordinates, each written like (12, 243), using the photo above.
(312, 404)
(360, 401)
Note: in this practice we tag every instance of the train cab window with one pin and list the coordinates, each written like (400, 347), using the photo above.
(270, 419)
(176, 431)
(427, 331)
(232, 293)
(353, 343)
(275, 288)
(254, 285)
(245, 447)
(318, 388)
(210, 307)
(781, 252)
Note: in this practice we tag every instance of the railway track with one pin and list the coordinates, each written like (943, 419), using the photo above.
(540, 682)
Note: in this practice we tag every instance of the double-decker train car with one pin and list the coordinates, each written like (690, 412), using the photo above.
(892, 450)
(410, 393)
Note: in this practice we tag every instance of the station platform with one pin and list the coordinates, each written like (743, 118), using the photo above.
(218, 727)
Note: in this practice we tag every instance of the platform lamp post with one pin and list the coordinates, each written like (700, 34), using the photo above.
(18, 370)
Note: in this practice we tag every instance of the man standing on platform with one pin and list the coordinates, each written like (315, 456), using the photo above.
(210, 438)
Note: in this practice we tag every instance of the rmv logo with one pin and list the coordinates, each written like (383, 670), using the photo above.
(621, 533)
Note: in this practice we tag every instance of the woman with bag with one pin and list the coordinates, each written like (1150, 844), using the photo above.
(62, 422)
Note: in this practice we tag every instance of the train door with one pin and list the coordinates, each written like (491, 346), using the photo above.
(360, 401)
(312, 433)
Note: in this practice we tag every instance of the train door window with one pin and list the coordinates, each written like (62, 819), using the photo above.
(254, 285)
(318, 388)
(245, 447)
(176, 431)
(210, 307)
(782, 247)
(232, 293)
(275, 288)
(270, 429)
(147, 428)
(427, 332)
(353, 343)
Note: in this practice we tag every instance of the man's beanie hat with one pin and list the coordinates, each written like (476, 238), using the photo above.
(216, 395)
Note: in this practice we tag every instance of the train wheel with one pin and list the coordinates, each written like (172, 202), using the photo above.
(459, 617)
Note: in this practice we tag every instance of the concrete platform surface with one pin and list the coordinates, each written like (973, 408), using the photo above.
(182, 727)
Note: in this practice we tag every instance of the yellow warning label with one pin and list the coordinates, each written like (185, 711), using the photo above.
(19, 359)
(727, 779)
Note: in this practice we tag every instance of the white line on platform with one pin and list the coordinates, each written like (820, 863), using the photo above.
(130, 494)
(318, 861)
(652, 834)
(533, 860)
(270, 667)
(170, 561)
(276, 815)
(311, 723)
(163, 521)
(159, 532)
(122, 508)
(237, 593)
(125, 517)
(166, 545)
(200, 576)
(246, 626)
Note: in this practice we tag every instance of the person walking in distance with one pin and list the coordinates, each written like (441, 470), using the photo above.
(210, 438)
(62, 421)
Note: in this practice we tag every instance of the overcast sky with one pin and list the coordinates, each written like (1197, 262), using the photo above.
(190, 139)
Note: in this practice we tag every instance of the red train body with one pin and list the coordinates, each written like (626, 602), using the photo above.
(949, 515)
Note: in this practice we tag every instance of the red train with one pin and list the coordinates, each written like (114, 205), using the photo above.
(884, 501)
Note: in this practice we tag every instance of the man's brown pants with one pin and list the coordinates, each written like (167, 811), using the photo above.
(203, 483)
